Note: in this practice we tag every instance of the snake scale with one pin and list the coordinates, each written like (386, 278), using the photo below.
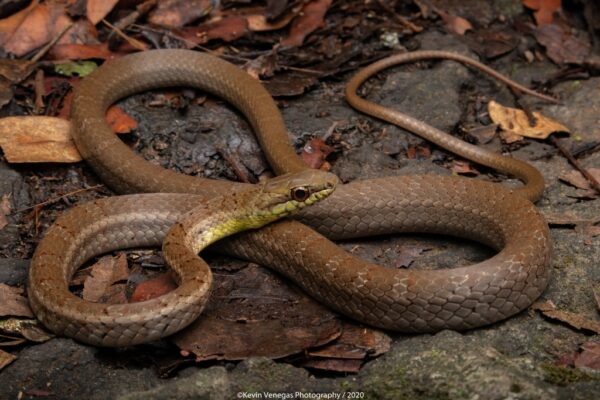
(394, 299)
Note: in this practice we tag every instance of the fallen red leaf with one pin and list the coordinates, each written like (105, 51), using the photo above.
(119, 120)
(307, 22)
(227, 29)
(315, 152)
(544, 10)
(153, 288)
(81, 52)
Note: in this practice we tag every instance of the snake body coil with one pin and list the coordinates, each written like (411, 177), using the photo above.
(402, 300)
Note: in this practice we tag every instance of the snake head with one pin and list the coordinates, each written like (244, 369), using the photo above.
(282, 195)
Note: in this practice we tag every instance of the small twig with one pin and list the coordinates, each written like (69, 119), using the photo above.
(42, 52)
(593, 182)
(55, 199)
(140, 10)
(238, 168)
(134, 42)
(525, 107)
(40, 92)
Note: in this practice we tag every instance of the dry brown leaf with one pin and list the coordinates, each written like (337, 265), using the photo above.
(5, 209)
(252, 313)
(16, 71)
(5, 359)
(259, 22)
(562, 45)
(307, 22)
(484, 134)
(455, 24)
(575, 178)
(13, 303)
(104, 274)
(515, 121)
(463, 167)
(577, 321)
(544, 10)
(568, 219)
(348, 352)
(418, 152)
(589, 356)
(226, 29)
(41, 24)
(9, 25)
(292, 83)
(408, 253)
(177, 13)
(28, 139)
(98, 9)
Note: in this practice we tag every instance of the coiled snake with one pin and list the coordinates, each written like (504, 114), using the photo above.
(401, 300)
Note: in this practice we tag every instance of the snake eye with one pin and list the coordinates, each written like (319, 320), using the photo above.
(300, 193)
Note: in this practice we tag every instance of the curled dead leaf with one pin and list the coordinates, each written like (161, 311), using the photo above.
(516, 121)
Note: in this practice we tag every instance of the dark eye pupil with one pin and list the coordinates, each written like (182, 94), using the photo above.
(300, 194)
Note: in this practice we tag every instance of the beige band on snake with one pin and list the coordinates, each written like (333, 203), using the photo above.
(401, 300)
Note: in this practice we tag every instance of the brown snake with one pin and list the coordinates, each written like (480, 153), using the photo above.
(400, 300)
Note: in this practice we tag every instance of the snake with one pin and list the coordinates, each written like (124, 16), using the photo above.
(300, 247)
